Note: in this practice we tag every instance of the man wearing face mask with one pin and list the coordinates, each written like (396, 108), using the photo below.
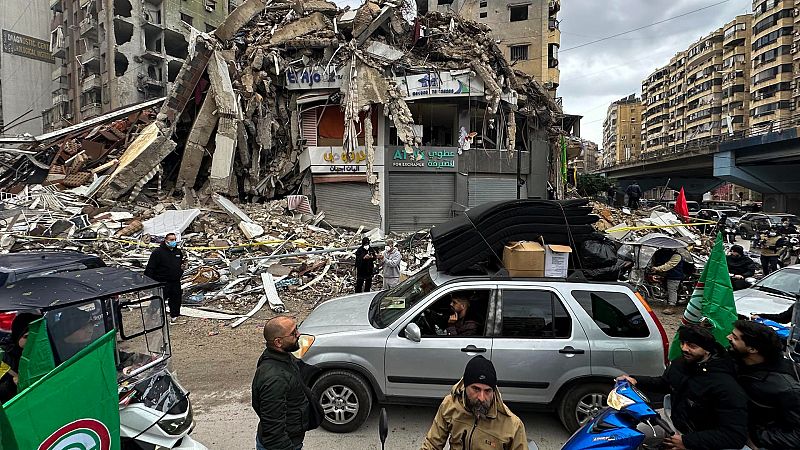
(391, 265)
(278, 394)
(474, 416)
(166, 265)
(365, 266)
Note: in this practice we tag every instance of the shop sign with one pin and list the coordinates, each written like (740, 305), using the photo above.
(423, 159)
(440, 84)
(27, 47)
(338, 160)
(313, 78)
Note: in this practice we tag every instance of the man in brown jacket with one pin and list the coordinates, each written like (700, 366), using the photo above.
(474, 416)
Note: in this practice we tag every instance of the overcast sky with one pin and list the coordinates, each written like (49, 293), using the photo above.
(595, 75)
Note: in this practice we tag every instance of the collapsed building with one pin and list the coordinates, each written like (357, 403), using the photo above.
(381, 122)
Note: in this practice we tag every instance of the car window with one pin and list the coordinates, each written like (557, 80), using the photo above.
(534, 314)
(785, 281)
(399, 299)
(614, 312)
(457, 313)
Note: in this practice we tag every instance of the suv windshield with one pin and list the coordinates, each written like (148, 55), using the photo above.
(786, 282)
(391, 304)
(776, 220)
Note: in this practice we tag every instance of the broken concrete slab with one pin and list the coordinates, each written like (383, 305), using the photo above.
(203, 127)
(220, 179)
(383, 16)
(251, 230)
(170, 222)
(232, 210)
(239, 17)
(384, 52)
(312, 23)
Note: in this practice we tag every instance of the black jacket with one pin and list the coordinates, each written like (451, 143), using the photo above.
(708, 406)
(280, 401)
(774, 408)
(365, 267)
(783, 317)
(634, 191)
(742, 265)
(165, 264)
(8, 389)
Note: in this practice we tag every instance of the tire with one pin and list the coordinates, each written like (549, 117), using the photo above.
(743, 233)
(593, 398)
(335, 391)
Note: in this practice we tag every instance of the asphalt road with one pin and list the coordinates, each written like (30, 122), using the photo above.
(233, 426)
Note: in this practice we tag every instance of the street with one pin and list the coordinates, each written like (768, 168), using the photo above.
(233, 425)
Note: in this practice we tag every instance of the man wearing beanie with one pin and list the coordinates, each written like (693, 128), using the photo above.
(474, 416)
(740, 267)
(709, 408)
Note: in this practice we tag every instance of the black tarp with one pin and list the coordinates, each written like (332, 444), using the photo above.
(61, 289)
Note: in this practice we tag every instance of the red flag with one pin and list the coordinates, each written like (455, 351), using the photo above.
(680, 205)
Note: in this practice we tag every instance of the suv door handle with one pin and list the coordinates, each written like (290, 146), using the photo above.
(472, 349)
(569, 350)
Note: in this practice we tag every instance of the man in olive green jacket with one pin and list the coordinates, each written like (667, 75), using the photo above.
(474, 416)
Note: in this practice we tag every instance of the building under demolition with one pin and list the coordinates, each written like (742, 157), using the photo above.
(381, 122)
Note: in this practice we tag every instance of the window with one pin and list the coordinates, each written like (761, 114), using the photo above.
(519, 13)
(519, 52)
(484, 4)
(210, 28)
(186, 18)
(482, 15)
(434, 321)
(211, 5)
(534, 314)
(444, 2)
(552, 55)
(614, 313)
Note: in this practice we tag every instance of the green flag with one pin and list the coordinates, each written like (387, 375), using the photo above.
(712, 298)
(37, 356)
(75, 406)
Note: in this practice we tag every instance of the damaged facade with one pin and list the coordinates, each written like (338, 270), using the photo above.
(114, 53)
(378, 121)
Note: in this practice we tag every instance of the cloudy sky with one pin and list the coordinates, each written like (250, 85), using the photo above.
(595, 75)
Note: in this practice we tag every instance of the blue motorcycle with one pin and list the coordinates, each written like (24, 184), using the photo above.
(615, 428)
(782, 331)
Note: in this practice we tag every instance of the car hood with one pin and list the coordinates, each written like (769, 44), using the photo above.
(340, 314)
(754, 301)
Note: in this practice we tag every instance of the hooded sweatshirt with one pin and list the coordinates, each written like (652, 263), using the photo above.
(391, 263)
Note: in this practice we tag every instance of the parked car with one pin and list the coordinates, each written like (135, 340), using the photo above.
(21, 265)
(752, 222)
(720, 205)
(556, 344)
(773, 294)
(693, 207)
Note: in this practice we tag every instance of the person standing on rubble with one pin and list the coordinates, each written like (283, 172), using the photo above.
(611, 194)
(365, 266)
(669, 263)
(166, 265)
(634, 193)
(391, 265)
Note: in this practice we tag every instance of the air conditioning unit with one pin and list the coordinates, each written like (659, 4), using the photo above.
(68, 116)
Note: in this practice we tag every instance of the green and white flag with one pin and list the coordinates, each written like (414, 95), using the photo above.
(37, 356)
(75, 406)
(712, 299)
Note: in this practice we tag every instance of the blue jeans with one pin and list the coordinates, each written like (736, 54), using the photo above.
(261, 447)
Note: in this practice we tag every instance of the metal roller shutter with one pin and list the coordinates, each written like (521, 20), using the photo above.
(347, 204)
(418, 200)
(491, 189)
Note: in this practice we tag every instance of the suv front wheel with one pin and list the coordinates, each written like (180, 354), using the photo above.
(581, 403)
(345, 398)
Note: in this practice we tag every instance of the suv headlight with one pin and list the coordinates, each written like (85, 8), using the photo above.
(177, 426)
(618, 401)
(305, 341)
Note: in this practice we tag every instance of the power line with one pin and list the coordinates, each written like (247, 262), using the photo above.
(643, 27)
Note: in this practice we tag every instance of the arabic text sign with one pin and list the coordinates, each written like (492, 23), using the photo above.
(423, 159)
(27, 47)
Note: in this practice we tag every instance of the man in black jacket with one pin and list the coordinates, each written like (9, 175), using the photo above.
(166, 265)
(279, 398)
(365, 266)
(709, 408)
(770, 382)
(740, 267)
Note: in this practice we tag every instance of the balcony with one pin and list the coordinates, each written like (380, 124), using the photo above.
(60, 97)
(91, 82)
(91, 57)
(57, 47)
(60, 71)
(88, 26)
(91, 110)
(738, 37)
(153, 55)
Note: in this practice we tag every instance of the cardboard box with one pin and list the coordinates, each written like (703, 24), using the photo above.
(556, 260)
(524, 259)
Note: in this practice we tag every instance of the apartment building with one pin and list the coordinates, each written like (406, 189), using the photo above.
(772, 62)
(736, 64)
(114, 53)
(653, 127)
(528, 31)
(26, 65)
(622, 131)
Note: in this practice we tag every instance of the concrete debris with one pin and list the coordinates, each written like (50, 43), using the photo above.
(169, 222)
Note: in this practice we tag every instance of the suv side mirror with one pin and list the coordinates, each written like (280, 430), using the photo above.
(413, 333)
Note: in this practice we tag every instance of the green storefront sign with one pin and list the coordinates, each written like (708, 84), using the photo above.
(423, 159)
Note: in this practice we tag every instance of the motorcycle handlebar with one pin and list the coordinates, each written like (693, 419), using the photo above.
(663, 424)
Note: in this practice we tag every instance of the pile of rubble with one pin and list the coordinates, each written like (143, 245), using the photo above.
(290, 262)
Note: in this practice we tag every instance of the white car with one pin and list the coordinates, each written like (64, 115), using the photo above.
(773, 294)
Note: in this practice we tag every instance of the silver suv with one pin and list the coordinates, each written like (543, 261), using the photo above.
(554, 343)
